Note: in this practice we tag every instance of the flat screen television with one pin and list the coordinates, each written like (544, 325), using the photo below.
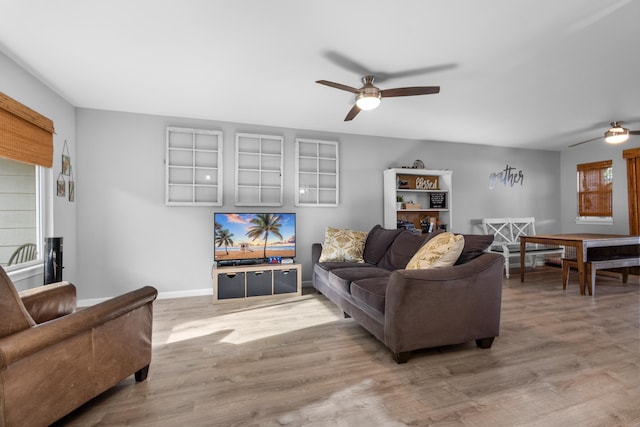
(246, 238)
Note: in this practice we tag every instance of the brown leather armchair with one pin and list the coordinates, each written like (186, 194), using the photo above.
(54, 358)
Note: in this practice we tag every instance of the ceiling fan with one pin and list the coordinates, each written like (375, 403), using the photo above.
(368, 96)
(615, 135)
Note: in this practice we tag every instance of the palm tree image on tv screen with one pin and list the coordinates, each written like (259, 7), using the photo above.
(254, 236)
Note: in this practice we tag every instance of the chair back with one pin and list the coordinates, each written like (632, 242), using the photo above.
(25, 253)
(500, 228)
(509, 230)
(523, 227)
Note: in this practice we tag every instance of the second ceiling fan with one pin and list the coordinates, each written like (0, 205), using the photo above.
(616, 134)
(368, 96)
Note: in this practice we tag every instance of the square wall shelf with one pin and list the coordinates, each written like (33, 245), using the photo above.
(317, 173)
(258, 170)
(193, 167)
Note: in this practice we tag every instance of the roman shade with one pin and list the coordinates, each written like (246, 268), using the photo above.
(594, 189)
(25, 135)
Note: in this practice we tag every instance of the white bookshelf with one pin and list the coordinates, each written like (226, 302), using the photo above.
(434, 200)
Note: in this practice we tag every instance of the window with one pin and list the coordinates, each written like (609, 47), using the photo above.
(20, 225)
(594, 191)
(26, 145)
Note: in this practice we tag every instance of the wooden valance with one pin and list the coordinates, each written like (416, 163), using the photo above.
(595, 165)
(25, 135)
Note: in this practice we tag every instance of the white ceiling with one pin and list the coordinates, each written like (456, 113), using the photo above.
(540, 74)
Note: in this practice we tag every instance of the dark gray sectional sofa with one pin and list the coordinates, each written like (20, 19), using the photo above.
(414, 309)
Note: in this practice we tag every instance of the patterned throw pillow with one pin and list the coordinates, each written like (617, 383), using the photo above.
(343, 245)
(441, 251)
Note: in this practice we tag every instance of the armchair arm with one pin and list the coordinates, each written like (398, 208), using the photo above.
(441, 306)
(19, 345)
(316, 251)
(50, 301)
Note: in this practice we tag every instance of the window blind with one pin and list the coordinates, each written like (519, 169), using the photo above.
(25, 135)
(594, 189)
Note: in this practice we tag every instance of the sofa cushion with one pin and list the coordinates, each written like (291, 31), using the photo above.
(323, 269)
(404, 246)
(370, 292)
(441, 251)
(378, 241)
(474, 246)
(343, 245)
(15, 317)
(342, 278)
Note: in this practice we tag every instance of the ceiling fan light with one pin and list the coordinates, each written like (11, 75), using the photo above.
(367, 102)
(616, 135)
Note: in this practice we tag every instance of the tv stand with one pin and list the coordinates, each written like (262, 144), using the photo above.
(236, 282)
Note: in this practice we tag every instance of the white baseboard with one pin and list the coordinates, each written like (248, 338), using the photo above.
(185, 294)
(161, 295)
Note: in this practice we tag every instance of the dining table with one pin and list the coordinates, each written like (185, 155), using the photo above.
(582, 242)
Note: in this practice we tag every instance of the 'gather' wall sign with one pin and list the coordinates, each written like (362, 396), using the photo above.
(507, 176)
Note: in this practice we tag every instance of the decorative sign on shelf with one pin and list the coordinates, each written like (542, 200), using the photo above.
(438, 200)
(417, 182)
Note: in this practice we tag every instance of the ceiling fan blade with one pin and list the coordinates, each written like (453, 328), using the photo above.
(419, 71)
(588, 140)
(634, 132)
(381, 76)
(347, 63)
(352, 113)
(410, 91)
(339, 86)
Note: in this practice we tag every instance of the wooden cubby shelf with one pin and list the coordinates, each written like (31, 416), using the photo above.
(233, 283)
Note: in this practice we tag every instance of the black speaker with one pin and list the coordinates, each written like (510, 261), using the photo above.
(52, 260)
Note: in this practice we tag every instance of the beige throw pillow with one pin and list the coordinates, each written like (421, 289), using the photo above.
(441, 251)
(343, 245)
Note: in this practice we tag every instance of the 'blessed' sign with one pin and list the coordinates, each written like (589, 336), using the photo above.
(418, 182)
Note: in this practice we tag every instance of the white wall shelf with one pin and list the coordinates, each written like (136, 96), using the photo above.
(193, 167)
(258, 170)
(316, 173)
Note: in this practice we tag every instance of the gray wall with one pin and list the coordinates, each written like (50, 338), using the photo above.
(119, 235)
(128, 237)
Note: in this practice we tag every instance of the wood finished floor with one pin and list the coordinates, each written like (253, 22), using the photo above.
(561, 359)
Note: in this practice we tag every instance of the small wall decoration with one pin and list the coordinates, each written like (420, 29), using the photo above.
(66, 159)
(66, 170)
(72, 186)
(507, 176)
(61, 185)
